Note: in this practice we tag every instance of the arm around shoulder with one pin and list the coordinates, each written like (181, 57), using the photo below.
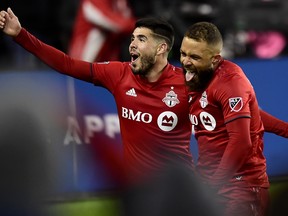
(274, 125)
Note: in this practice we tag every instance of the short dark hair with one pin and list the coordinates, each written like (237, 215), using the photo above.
(158, 26)
(204, 31)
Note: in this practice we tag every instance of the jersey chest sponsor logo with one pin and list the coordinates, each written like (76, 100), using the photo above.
(206, 119)
(166, 121)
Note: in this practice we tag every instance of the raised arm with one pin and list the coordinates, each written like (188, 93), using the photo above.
(51, 56)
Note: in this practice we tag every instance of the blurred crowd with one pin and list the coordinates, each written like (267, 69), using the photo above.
(251, 28)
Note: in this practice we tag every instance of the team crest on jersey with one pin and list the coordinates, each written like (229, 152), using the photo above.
(203, 100)
(236, 104)
(171, 98)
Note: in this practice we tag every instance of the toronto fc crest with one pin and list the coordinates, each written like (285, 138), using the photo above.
(203, 100)
(171, 98)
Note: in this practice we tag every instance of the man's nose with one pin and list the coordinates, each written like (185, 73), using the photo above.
(187, 61)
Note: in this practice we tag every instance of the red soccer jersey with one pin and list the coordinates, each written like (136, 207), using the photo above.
(229, 96)
(154, 117)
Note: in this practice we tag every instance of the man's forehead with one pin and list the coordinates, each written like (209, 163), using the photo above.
(192, 46)
(142, 31)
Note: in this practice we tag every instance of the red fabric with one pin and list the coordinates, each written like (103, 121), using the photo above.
(274, 125)
(54, 58)
(248, 201)
(238, 149)
(227, 124)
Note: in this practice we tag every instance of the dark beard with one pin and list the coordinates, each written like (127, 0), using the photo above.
(200, 80)
(147, 64)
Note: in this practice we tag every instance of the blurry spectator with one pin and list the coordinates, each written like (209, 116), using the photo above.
(25, 181)
(267, 44)
(99, 30)
(174, 191)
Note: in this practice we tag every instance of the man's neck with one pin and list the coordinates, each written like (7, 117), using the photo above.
(156, 71)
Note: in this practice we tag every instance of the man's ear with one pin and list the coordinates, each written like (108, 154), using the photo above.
(162, 48)
(216, 59)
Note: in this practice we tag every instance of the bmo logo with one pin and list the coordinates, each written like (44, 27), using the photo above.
(208, 121)
(136, 116)
(167, 121)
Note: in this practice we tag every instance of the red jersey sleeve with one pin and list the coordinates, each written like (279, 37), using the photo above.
(234, 94)
(236, 152)
(109, 74)
(54, 58)
(237, 99)
(274, 125)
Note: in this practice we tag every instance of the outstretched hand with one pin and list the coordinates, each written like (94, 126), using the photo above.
(9, 23)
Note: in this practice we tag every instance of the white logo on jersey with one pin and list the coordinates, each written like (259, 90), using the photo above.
(236, 104)
(131, 92)
(194, 122)
(208, 121)
(239, 178)
(167, 121)
(105, 62)
(171, 98)
(203, 100)
(136, 116)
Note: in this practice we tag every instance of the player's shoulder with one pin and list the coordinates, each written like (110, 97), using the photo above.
(175, 70)
(113, 65)
(232, 65)
(228, 69)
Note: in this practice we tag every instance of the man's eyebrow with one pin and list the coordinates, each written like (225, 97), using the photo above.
(142, 36)
(139, 36)
(190, 55)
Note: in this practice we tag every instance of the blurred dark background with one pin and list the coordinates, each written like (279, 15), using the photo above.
(251, 28)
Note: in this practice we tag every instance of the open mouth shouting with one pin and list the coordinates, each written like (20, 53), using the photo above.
(134, 57)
